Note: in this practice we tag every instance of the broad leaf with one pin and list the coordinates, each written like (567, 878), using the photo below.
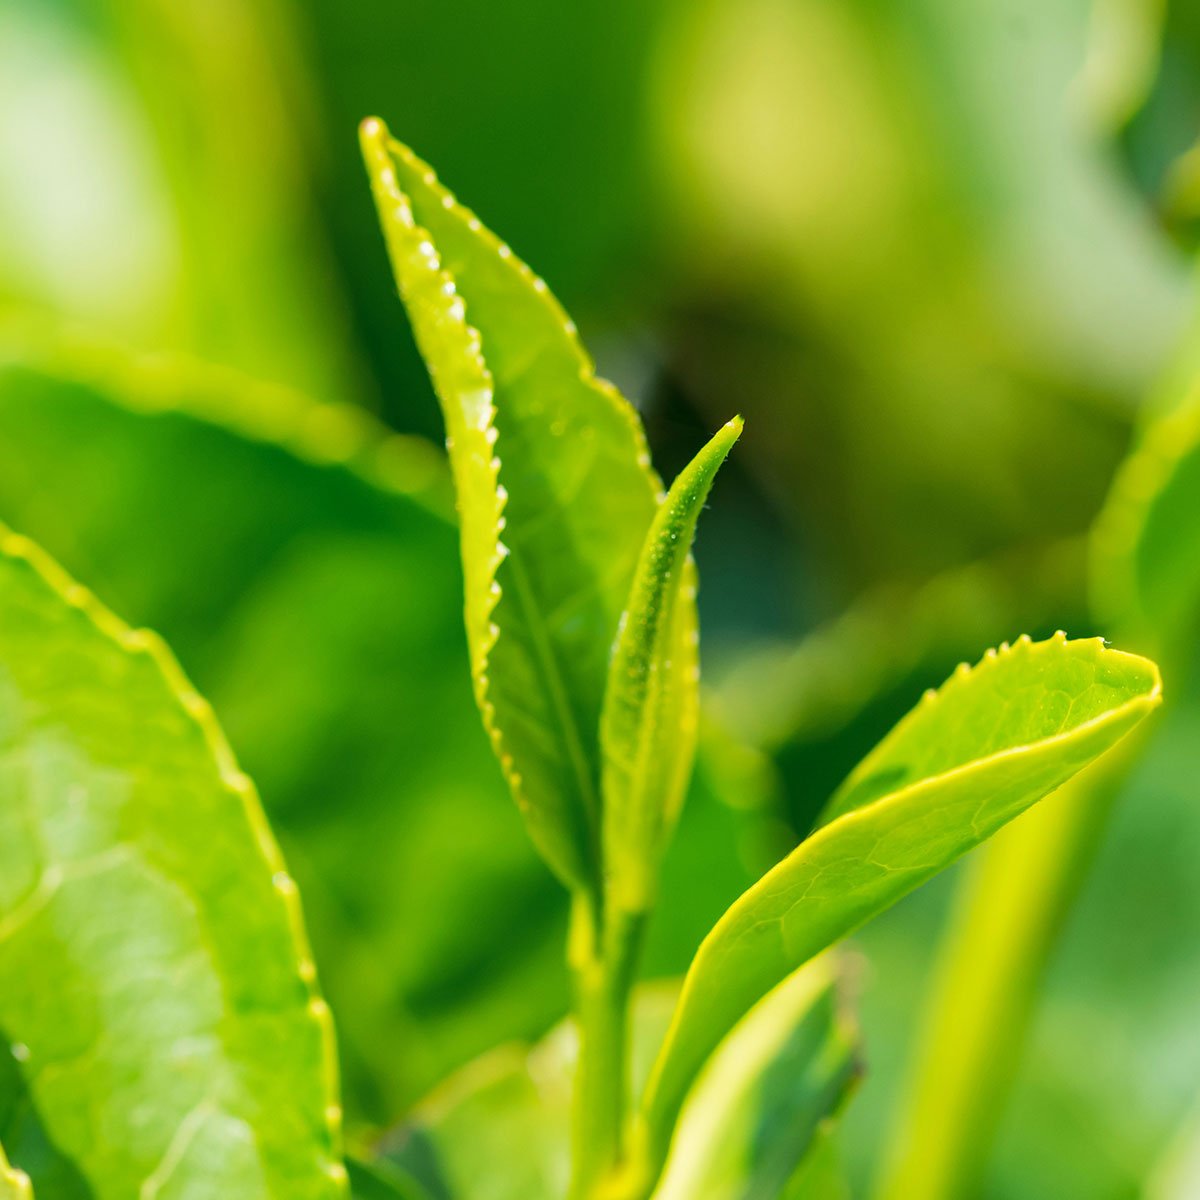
(14, 1184)
(155, 985)
(651, 706)
(756, 1111)
(555, 495)
(327, 637)
(969, 758)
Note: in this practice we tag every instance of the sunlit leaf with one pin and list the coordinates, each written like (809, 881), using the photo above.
(784, 1069)
(757, 1110)
(156, 990)
(651, 706)
(555, 495)
(327, 636)
(969, 758)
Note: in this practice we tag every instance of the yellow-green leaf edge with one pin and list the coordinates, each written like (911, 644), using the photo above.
(16, 548)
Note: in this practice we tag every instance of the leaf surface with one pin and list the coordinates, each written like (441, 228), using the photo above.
(966, 760)
(327, 636)
(651, 705)
(555, 495)
(156, 990)
(758, 1108)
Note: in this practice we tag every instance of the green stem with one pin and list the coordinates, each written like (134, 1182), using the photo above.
(603, 954)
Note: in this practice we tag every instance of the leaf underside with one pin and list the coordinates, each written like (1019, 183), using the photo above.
(555, 494)
(156, 993)
(966, 760)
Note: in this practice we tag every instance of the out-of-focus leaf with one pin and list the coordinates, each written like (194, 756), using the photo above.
(158, 992)
(555, 495)
(14, 1185)
(326, 633)
(969, 758)
(820, 1176)
(498, 1130)
(382, 1181)
(1146, 587)
(199, 231)
(651, 705)
(1146, 546)
(809, 691)
(756, 1112)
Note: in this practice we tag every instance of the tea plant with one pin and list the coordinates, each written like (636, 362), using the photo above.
(156, 989)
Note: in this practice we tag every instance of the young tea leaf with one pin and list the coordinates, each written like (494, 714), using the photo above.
(648, 729)
(754, 1116)
(156, 992)
(555, 494)
(969, 758)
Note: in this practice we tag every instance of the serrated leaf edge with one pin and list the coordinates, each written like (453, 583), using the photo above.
(396, 210)
(145, 642)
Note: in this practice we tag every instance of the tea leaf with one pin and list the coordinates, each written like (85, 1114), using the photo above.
(759, 1105)
(777, 1076)
(969, 758)
(555, 495)
(332, 573)
(14, 1185)
(156, 991)
(651, 706)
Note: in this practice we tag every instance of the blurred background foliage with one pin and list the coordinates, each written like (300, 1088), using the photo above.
(941, 257)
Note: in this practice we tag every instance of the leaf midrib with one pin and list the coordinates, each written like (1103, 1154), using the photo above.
(556, 690)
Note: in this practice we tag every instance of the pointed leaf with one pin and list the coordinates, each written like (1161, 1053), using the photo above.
(555, 495)
(156, 991)
(648, 730)
(969, 758)
(329, 569)
(754, 1115)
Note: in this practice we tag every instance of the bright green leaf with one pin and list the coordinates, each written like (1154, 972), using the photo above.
(329, 570)
(156, 990)
(651, 706)
(555, 495)
(759, 1105)
(969, 758)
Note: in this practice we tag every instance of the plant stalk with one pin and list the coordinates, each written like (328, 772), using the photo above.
(603, 954)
